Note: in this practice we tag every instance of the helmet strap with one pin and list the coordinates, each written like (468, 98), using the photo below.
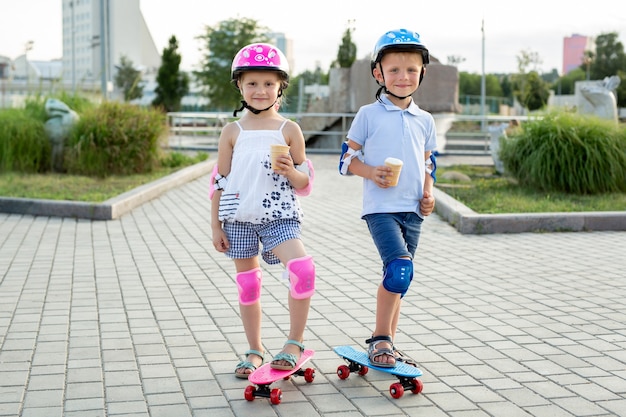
(250, 108)
(392, 94)
(245, 105)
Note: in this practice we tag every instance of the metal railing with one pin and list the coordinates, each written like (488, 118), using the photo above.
(324, 132)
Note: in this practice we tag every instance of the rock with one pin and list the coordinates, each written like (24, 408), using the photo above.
(455, 176)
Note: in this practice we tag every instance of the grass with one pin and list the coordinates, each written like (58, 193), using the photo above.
(52, 186)
(489, 193)
(73, 187)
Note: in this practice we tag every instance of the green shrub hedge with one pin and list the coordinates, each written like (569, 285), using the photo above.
(115, 139)
(567, 152)
(24, 145)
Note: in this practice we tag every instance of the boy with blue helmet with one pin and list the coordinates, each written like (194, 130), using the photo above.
(393, 127)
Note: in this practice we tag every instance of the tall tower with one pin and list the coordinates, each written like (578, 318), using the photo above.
(97, 33)
(574, 48)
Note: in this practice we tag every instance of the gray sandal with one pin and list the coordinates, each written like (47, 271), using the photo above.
(244, 364)
(287, 357)
(403, 357)
(373, 352)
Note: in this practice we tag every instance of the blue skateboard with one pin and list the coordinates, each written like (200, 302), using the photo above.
(357, 361)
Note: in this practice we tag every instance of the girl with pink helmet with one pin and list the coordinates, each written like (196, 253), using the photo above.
(255, 208)
(261, 57)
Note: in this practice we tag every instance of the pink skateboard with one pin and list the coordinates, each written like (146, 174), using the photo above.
(264, 376)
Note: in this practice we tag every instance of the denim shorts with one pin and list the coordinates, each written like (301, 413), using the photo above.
(395, 235)
(244, 238)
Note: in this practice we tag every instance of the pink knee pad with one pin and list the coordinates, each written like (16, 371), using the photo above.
(302, 277)
(249, 285)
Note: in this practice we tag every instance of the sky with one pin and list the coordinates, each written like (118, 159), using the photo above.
(447, 27)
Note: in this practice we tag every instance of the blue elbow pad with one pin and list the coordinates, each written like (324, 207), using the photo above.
(431, 166)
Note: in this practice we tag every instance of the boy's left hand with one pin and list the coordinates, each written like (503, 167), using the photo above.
(427, 203)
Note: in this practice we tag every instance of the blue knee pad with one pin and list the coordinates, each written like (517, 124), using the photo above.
(398, 276)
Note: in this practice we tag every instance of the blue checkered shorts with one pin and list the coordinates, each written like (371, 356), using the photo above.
(245, 237)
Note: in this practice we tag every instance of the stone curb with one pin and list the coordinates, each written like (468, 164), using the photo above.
(110, 209)
(467, 221)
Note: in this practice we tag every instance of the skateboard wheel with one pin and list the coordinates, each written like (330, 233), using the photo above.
(248, 394)
(343, 372)
(363, 370)
(396, 390)
(275, 396)
(309, 374)
(418, 386)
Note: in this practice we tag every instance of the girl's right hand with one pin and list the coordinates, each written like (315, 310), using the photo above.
(220, 241)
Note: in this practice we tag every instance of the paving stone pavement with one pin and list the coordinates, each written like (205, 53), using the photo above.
(139, 316)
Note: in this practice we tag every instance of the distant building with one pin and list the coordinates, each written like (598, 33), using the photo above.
(5, 67)
(97, 33)
(574, 48)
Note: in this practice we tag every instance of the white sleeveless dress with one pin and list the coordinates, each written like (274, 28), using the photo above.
(254, 193)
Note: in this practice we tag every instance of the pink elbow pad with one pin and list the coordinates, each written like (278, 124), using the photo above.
(212, 182)
(307, 167)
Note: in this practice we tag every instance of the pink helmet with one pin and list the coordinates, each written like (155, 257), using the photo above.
(259, 57)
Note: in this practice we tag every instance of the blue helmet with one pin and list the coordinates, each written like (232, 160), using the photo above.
(398, 40)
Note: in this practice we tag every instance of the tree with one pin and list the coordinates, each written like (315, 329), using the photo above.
(528, 60)
(293, 95)
(172, 84)
(470, 85)
(222, 43)
(550, 77)
(529, 88)
(567, 83)
(346, 55)
(507, 86)
(455, 60)
(128, 79)
(607, 60)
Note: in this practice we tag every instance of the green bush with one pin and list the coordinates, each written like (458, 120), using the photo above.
(567, 152)
(115, 139)
(178, 159)
(24, 146)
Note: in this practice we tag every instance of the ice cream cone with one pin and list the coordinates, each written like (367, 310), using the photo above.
(396, 166)
(275, 151)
